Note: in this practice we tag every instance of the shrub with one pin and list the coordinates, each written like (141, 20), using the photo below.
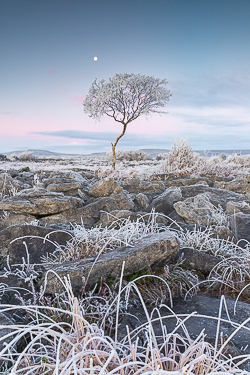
(180, 158)
(26, 156)
(128, 155)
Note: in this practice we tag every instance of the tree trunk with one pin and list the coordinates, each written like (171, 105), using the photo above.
(114, 145)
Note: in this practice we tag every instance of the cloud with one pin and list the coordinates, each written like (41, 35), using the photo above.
(78, 134)
(106, 138)
(52, 71)
(232, 116)
(212, 89)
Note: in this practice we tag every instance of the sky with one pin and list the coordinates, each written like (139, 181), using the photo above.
(202, 47)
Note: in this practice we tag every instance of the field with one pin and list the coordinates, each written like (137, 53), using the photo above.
(86, 334)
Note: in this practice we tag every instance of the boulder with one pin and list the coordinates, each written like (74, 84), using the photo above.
(238, 185)
(64, 187)
(8, 218)
(215, 196)
(40, 202)
(164, 202)
(150, 252)
(198, 210)
(5, 329)
(197, 260)
(205, 318)
(12, 246)
(223, 232)
(107, 218)
(186, 181)
(136, 185)
(90, 214)
(234, 207)
(240, 225)
(67, 182)
(104, 188)
(142, 201)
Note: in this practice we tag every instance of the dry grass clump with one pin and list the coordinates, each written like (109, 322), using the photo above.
(232, 273)
(46, 346)
(7, 187)
(174, 281)
(69, 335)
(88, 242)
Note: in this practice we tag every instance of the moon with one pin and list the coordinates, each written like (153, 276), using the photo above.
(95, 58)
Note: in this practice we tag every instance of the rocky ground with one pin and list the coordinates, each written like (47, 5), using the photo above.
(42, 206)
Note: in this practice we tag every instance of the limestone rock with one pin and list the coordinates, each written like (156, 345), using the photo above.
(39, 202)
(215, 196)
(63, 187)
(240, 225)
(5, 321)
(187, 181)
(66, 182)
(107, 218)
(238, 185)
(223, 232)
(234, 207)
(34, 239)
(104, 188)
(203, 307)
(8, 218)
(198, 210)
(142, 201)
(164, 202)
(90, 214)
(152, 251)
(197, 260)
(134, 185)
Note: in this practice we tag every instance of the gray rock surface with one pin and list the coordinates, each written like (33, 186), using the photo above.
(107, 218)
(5, 321)
(8, 218)
(34, 237)
(90, 214)
(104, 188)
(234, 207)
(207, 312)
(215, 196)
(197, 260)
(39, 202)
(134, 185)
(142, 201)
(165, 201)
(150, 252)
(198, 210)
(238, 185)
(240, 225)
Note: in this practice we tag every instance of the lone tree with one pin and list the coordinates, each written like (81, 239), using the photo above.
(125, 97)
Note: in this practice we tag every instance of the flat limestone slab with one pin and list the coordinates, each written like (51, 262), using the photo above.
(150, 252)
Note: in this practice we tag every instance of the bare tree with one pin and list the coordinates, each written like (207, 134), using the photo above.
(125, 97)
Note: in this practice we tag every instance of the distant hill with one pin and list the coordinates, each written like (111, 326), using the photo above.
(45, 153)
(153, 152)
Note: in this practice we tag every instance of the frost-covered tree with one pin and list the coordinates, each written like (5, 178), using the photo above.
(125, 97)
